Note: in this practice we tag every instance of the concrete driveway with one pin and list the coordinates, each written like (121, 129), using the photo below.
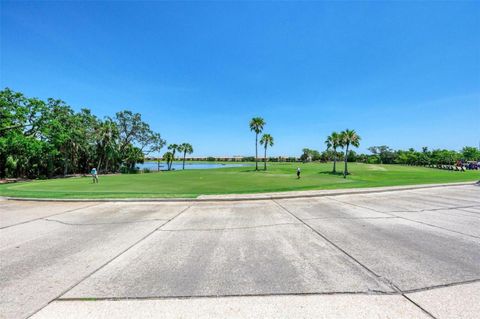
(395, 254)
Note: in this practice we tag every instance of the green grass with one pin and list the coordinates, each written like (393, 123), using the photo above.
(238, 180)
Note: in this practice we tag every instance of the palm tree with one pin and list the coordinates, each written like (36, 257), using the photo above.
(266, 140)
(185, 148)
(333, 141)
(106, 137)
(256, 125)
(168, 157)
(173, 148)
(348, 137)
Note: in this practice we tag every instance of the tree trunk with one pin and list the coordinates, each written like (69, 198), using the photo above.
(265, 159)
(65, 168)
(3, 166)
(171, 161)
(334, 160)
(184, 154)
(256, 151)
(345, 172)
(99, 165)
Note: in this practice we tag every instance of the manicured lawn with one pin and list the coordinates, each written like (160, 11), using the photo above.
(191, 183)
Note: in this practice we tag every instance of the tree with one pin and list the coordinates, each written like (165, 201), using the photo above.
(384, 153)
(106, 145)
(309, 155)
(45, 138)
(306, 155)
(266, 140)
(168, 157)
(347, 138)
(256, 125)
(132, 156)
(333, 141)
(470, 153)
(185, 148)
(173, 148)
(133, 130)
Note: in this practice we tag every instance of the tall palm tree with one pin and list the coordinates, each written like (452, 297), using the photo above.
(266, 140)
(333, 142)
(256, 125)
(185, 148)
(106, 148)
(348, 137)
(173, 148)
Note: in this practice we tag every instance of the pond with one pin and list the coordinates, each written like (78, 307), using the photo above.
(153, 166)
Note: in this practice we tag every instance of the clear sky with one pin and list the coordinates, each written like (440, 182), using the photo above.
(404, 74)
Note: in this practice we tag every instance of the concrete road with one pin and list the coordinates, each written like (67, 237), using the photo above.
(395, 254)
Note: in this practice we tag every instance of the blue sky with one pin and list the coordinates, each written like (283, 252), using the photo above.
(404, 74)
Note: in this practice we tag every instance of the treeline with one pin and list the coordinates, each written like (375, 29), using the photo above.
(42, 139)
(385, 155)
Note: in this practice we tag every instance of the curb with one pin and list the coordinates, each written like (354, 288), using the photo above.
(255, 197)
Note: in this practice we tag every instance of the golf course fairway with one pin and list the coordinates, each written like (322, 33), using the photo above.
(279, 177)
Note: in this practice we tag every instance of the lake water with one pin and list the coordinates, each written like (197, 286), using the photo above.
(178, 166)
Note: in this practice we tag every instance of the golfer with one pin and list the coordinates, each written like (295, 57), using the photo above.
(94, 175)
(298, 172)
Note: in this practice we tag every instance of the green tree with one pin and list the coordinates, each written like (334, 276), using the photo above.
(347, 138)
(256, 125)
(384, 153)
(333, 141)
(306, 155)
(185, 148)
(106, 139)
(173, 148)
(168, 157)
(266, 140)
(45, 138)
(134, 131)
(133, 155)
(470, 153)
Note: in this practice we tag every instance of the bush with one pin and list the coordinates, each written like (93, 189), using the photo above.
(146, 170)
(126, 170)
(210, 159)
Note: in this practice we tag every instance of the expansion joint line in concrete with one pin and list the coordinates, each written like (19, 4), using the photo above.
(419, 307)
(468, 211)
(278, 294)
(477, 203)
(313, 218)
(427, 210)
(245, 295)
(381, 278)
(110, 260)
(226, 228)
(412, 220)
(452, 284)
(56, 214)
(375, 275)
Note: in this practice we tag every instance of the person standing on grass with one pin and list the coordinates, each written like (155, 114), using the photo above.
(94, 175)
(298, 172)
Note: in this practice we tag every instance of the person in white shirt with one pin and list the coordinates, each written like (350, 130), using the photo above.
(94, 175)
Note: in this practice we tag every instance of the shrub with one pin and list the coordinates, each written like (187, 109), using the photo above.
(126, 170)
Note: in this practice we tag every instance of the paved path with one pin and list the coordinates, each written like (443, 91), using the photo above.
(397, 254)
